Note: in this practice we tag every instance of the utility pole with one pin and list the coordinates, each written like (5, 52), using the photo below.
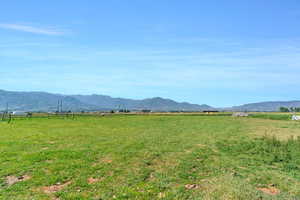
(57, 110)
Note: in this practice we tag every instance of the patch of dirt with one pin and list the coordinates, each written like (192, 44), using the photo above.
(106, 160)
(270, 190)
(93, 180)
(10, 180)
(191, 186)
(55, 188)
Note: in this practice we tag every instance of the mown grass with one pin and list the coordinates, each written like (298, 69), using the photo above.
(147, 157)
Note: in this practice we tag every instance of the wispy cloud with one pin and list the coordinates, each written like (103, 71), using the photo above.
(32, 29)
(269, 68)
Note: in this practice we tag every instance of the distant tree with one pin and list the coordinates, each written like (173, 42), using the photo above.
(124, 111)
(297, 109)
(283, 109)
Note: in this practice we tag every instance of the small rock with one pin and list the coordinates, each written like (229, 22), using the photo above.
(191, 186)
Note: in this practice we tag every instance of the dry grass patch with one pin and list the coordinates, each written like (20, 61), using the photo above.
(10, 180)
(92, 180)
(55, 188)
(281, 129)
(227, 187)
(106, 160)
(270, 190)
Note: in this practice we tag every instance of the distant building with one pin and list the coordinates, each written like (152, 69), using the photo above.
(295, 117)
(210, 111)
(146, 111)
(240, 114)
(19, 113)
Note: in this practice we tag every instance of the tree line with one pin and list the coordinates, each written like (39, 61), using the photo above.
(291, 109)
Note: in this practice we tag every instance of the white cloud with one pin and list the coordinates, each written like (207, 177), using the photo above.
(31, 29)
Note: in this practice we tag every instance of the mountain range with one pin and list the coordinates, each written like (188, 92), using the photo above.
(43, 101)
(268, 106)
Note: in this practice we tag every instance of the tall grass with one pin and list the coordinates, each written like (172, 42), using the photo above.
(266, 151)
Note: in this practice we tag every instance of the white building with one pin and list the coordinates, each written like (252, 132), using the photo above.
(295, 117)
(19, 113)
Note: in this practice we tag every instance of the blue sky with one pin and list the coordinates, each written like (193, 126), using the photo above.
(221, 53)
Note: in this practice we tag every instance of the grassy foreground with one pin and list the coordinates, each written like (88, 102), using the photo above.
(150, 157)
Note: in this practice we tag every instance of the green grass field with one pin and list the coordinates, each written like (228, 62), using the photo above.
(150, 157)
